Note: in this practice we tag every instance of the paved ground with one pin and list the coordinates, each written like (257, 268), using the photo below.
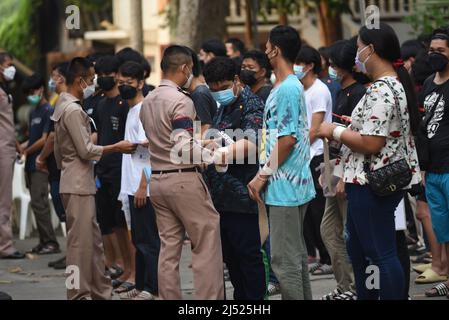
(31, 279)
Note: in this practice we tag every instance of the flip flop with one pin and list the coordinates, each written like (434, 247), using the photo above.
(422, 267)
(440, 290)
(429, 276)
(324, 269)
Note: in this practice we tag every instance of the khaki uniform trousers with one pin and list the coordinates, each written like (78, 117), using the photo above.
(6, 175)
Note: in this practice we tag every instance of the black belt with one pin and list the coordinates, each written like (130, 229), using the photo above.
(194, 169)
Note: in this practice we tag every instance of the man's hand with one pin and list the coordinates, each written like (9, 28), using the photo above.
(126, 147)
(340, 189)
(326, 130)
(256, 186)
(41, 165)
(140, 197)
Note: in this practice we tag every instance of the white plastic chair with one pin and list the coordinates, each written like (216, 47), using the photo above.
(22, 194)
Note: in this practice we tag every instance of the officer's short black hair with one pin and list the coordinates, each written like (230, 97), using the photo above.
(61, 68)
(261, 59)
(309, 55)
(288, 40)
(107, 64)
(175, 56)
(220, 69)
(132, 70)
(237, 44)
(215, 46)
(5, 55)
(33, 82)
(78, 67)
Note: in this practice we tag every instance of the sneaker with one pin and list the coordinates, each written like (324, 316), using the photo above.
(144, 295)
(348, 295)
(60, 265)
(273, 289)
(129, 295)
(51, 264)
(332, 295)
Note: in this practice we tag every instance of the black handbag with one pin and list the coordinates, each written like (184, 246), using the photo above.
(394, 177)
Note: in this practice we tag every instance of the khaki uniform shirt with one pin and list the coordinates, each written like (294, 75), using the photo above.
(165, 109)
(74, 150)
(7, 131)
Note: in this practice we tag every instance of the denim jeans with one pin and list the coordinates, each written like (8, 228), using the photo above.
(371, 242)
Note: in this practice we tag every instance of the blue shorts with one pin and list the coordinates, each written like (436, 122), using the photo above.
(437, 193)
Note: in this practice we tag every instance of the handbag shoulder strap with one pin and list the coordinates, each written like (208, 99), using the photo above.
(398, 111)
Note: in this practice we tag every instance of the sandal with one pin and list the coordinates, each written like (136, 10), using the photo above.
(125, 287)
(440, 290)
(422, 258)
(430, 276)
(129, 295)
(322, 270)
(422, 267)
(348, 295)
(314, 266)
(332, 295)
(49, 248)
(116, 283)
(114, 272)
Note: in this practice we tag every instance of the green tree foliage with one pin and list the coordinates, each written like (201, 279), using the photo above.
(429, 15)
(17, 29)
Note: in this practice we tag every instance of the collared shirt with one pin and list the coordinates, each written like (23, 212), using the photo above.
(285, 115)
(74, 150)
(7, 131)
(164, 110)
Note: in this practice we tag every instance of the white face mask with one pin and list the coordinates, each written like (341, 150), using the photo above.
(188, 82)
(9, 73)
(88, 90)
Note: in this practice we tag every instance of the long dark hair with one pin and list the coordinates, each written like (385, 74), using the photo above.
(386, 45)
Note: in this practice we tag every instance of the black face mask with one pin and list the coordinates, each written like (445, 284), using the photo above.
(106, 83)
(248, 77)
(127, 92)
(438, 62)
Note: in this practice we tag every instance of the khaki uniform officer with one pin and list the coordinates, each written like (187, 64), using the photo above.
(178, 193)
(75, 153)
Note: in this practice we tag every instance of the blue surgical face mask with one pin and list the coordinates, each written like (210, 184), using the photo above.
(34, 99)
(299, 71)
(225, 97)
(51, 85)
(333, 74)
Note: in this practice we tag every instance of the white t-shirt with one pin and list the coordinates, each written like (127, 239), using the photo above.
(318, 99)
(133, 164)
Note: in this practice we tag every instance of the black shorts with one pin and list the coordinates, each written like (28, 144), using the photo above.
(109, 209)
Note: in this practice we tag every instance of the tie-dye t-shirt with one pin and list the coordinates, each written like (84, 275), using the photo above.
(285, 115)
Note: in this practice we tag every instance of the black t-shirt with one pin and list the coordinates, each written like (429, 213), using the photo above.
(205, 104)
(90, 105)
(147, 88)
(110, 118)
(438, 126)
(347, 99)
(264, 92)
(38, 124)
(54, 174)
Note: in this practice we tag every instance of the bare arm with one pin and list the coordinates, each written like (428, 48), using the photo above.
(37, 145)
(317, 120)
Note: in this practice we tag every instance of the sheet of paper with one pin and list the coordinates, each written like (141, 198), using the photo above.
(399, 217)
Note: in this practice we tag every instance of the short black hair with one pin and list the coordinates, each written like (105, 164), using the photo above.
(129, 54)
(237, 44)
(342, 53)
(93, 57)
(33, 82)
(215, 46)
(4, 55)
(220, 69)
(175, 56)
(61, 68)
(441, 33)
(261, 59)
(107, 64)
(309, 55)
(78, 67)
(133, 70)
(411, 48)
(287, 39)
(146, 68)
(196, 69)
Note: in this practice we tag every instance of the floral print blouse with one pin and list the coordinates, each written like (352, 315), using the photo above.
(376, 115)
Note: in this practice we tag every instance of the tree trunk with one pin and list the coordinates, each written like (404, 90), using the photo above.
(330, 25)
(136, 34)
(248, 24)
(200, 20)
